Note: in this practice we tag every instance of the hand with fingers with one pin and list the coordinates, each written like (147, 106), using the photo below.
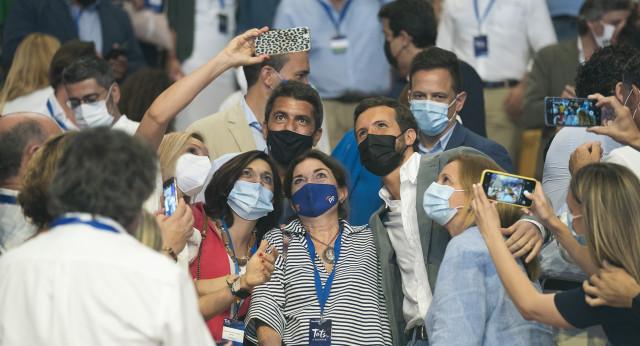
(622, 127)
(585, 154)
(487, 218)
(177, 228)
(541, 208)
(260, 267)
(611, 286)
(525, 239)
(241, 50)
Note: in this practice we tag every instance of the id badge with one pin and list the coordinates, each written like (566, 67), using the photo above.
(480, 46)
(339, 44)
(233, 330)
(223, 22)
(319, 332)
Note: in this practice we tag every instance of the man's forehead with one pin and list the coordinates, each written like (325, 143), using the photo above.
(292, 106)
(375, 114)
(439, 78)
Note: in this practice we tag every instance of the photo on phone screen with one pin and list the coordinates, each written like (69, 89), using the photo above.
(580, 112)
(170, 196)
(285, 41)
(507, 188)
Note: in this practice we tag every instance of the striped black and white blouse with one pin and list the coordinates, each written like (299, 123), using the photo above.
(356, 304)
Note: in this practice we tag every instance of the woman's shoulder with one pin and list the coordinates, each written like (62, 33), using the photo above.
(469, 241)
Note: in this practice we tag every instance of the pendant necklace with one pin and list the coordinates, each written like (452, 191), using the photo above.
(328, 254)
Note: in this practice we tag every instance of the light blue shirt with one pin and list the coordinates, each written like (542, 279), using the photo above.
(88, 23)
(564, 7)
(470, 305)
(254, 125)
(363, 68)
(441, 144)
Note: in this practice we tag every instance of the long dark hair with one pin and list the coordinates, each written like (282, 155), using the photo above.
(222, 183)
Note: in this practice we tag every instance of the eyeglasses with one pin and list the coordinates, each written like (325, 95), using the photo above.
(90, 98)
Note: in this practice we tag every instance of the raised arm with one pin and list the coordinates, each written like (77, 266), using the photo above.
(238, 52)
(531, 304)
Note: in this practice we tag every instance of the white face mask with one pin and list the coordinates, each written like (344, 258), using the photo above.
(625, 103)
(607, 35)
(191, 173)
(93, 114)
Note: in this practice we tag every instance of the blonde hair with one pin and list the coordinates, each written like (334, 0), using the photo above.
(610, 206)
(471, 168)
(171, 149)
(30, 68)
(41, 169)
(148, 232)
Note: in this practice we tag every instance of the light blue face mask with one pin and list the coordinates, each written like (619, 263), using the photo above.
(250, 201)
(431, 116)
(436, 203)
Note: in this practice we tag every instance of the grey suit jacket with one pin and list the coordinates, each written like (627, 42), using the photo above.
(433, 238)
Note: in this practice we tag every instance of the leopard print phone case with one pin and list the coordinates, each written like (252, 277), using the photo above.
(283, 41)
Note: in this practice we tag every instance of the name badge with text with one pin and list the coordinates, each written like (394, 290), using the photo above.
(233, 330)
(481, 46)
(339, 44)
(319, 332)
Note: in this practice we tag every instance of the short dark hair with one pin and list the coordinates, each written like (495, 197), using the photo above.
(140, 89)
(222, 183)
(631, 72)
(297, 91)
(13, 144)
(252, 72)
(404, 117)
(334, 166)
(594, 10)
(415, 17)
(603, 70)
(88, 67)
(66, 54)
(103, 172)
(433, 58)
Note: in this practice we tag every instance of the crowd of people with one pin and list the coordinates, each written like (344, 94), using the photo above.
(162, 184)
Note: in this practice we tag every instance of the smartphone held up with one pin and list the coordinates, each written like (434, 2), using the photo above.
(170, 194)
(274, 42)
(575, 112)
(507, 188)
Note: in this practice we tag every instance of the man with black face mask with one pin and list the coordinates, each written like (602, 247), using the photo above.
(106, 25)
(386, 132)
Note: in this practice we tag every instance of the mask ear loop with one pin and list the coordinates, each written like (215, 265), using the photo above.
(107, 100)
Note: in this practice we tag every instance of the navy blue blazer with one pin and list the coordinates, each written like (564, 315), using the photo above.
(463, 137)
(54, 18)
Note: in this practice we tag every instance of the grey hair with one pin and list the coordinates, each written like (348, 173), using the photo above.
(87, 67)
(103, 172)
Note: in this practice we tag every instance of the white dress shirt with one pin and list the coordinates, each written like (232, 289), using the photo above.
(254, 125)
(404, 235)
(80, 285)
(515, 29)
(126, 125)
(15, 229)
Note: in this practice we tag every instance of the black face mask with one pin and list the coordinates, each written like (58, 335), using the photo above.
(378, 154)
(86, 2)
(390, 58)
(285, 145)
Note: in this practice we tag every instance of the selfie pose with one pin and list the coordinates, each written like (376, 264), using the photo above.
(603, 205)
(470, 306)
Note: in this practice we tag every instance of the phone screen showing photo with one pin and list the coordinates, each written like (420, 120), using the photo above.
(578, 112)
(170, 199)
(508, 189)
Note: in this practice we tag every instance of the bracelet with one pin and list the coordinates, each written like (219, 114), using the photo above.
(170, 252)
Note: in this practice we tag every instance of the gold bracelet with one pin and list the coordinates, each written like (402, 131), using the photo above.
(170, 252)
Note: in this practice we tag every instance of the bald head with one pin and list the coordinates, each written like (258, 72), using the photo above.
(21, 134)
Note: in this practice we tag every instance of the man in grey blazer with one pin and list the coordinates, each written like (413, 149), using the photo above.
(386, 132)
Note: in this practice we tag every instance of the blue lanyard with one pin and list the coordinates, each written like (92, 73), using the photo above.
(60, 123)
(6, 199)
(343, 13)
(235, 258)
(323, 294)
(486, 12)
(74, 220)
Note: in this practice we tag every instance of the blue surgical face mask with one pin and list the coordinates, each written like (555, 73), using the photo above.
(314, 199)
(250, 201)
(431, 116)
(436, 203)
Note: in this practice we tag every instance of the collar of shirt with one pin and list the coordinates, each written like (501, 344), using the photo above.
(440, 144)
(296, 228)
(102, 219)
(408, 173)
(75, 9)
(9, 192)
(248, 113)
(581, 56)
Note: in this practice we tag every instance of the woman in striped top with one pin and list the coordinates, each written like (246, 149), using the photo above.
(326, 286)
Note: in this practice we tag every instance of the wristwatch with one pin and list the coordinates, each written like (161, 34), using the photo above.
(238, 291)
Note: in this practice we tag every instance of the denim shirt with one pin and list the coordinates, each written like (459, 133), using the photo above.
(470, 305)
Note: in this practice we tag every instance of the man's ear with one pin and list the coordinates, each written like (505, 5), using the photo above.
(410, 137)
(406, 38)
(316, 136)
(29, 151)
(265, 130)
(462, 97)
(266, 76)
(115, 93)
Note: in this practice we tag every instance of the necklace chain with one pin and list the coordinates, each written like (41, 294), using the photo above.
(225, 239)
